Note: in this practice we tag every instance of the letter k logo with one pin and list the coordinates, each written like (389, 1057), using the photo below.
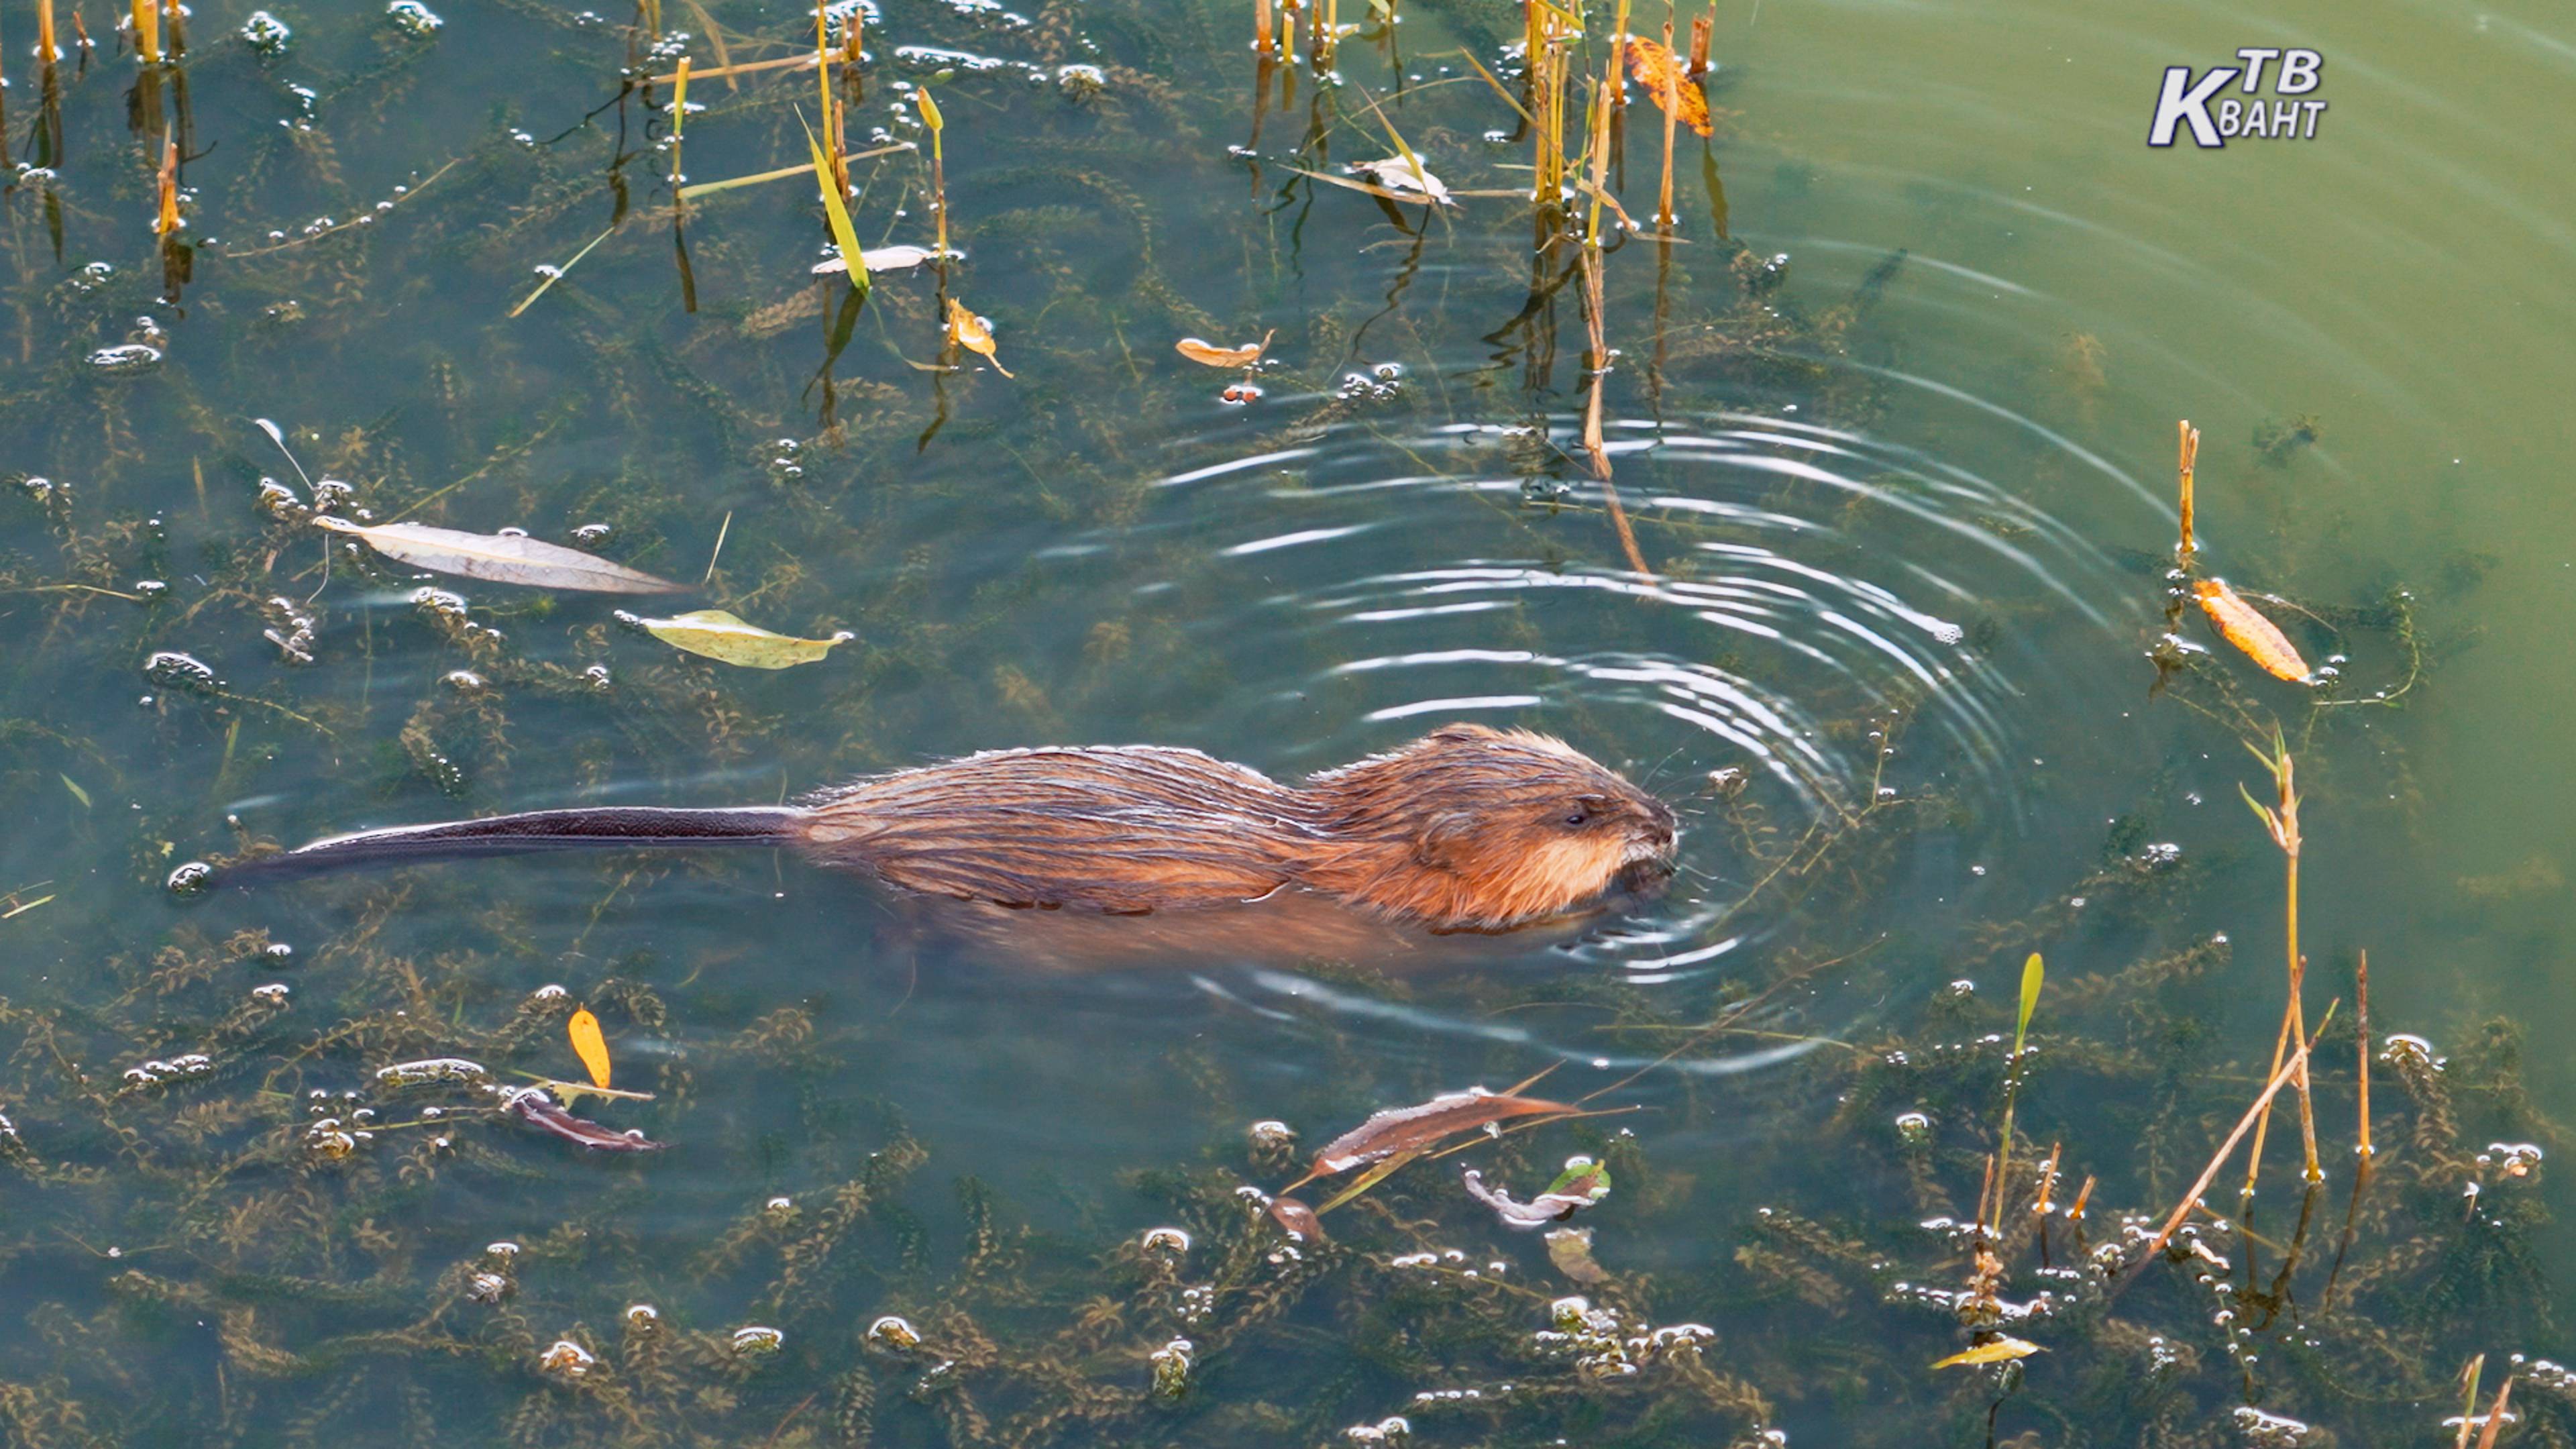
(2181, 101)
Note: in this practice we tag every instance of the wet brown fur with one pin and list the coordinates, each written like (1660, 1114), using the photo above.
(1468, 828)
(1465, 829)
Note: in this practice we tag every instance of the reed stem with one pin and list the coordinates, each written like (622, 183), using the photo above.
(2361, 1025)
(2190, 449)
(1672, 115)
(679, 119)
(147, 31)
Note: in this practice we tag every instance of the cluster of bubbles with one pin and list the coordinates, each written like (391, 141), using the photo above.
(413, 19)
(1602, 1345)
(1393, 1429)
(265, 33)
(159, 1073)
(1172, 1368)
(290, 629)
(1452, 1259)
(1379, 384)
(2269, 1431)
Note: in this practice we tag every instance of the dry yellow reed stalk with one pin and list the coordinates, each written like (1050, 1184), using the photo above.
(2190, 446)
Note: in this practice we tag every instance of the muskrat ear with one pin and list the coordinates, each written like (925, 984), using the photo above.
(1440, 840)
(1459, 734)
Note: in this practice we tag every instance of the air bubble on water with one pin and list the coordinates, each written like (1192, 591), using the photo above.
(126, 360)
(173, 670)
(413, 18)
(757, 1341)
(265, 33)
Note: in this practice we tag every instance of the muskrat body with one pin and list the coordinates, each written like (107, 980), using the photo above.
(1465, 829)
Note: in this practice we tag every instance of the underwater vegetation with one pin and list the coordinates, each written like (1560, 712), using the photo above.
(294, 1173)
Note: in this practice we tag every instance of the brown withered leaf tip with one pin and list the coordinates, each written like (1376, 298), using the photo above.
(1654, 65)
(1399, 1129)
(2241, 625)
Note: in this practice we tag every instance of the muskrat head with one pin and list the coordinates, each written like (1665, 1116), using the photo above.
(1470, 828)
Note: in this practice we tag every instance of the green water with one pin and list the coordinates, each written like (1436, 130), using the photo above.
(1905, 504)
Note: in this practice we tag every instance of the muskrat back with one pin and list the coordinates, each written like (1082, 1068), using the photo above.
(1465, 829)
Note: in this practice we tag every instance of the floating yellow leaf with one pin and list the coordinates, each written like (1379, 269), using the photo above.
(724, 637)
(509, 558)
(973, 333)
(589, 1045)
(1215, 356)
(1654, 66)
(2260, 638)
(1999, 1351)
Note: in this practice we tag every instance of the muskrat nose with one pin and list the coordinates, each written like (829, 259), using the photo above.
(1661, 824)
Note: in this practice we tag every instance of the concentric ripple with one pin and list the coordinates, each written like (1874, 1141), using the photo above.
(1828, 621)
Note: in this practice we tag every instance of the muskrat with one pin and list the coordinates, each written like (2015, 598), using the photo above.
(1465, 829)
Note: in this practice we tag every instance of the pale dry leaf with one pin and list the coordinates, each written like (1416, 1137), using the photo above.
(1398, 174)
(505, 558)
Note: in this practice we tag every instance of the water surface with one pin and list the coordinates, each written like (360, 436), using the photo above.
(1892, 415)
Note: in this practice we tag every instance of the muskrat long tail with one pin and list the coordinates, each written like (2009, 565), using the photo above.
(625, 827)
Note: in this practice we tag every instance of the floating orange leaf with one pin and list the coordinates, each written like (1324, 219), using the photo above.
(973, 333)
(1654, 66)
(2260, 638)
(589, 1045)
(1215, 356)
(2002, 1349)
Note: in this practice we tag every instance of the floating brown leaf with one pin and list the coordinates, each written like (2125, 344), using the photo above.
(1215, 356)
(1654, 65)
(532, 1106)
(973, 333)
(1297, 1218)
(1399, 1129)
(507, 558)
(2261, 639)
